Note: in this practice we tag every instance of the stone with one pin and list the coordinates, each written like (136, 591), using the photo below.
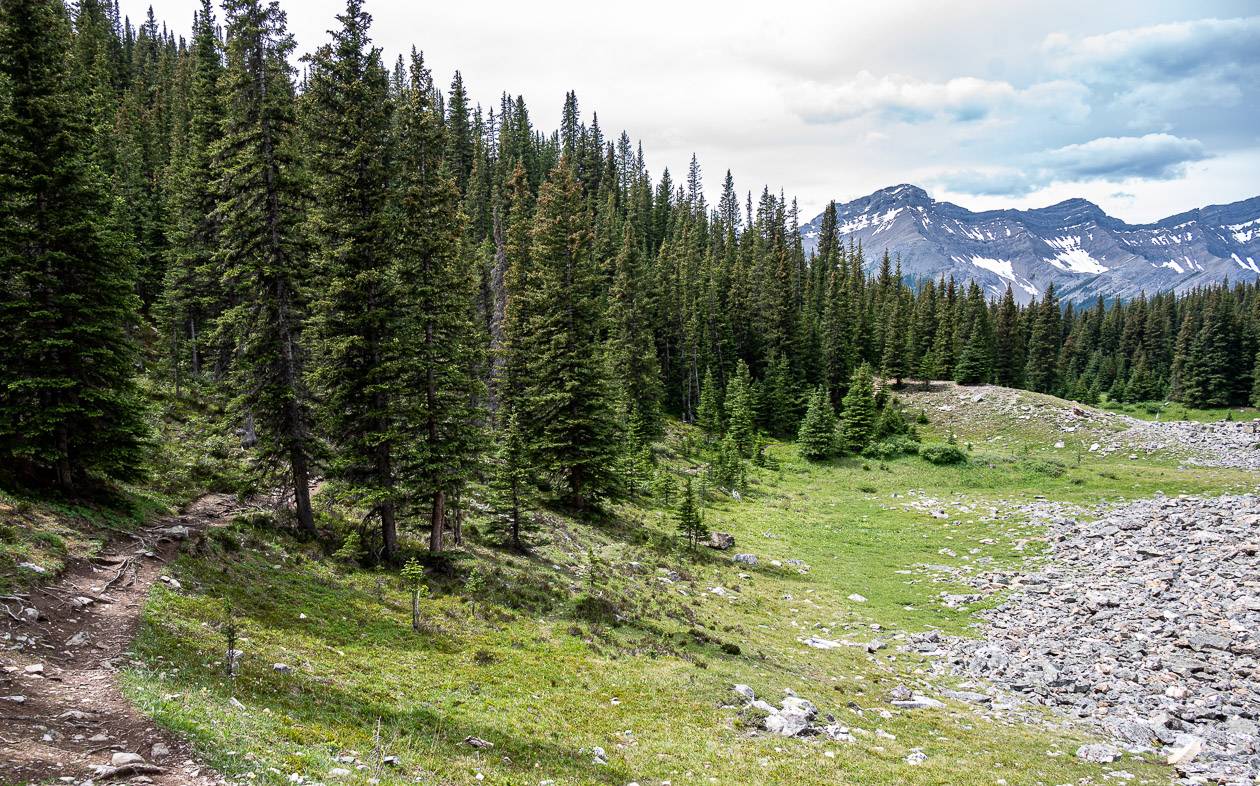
(1186, 748)
(339, 772)
(77, 640)
(599, 755)
(282, 668)
(745, 693)
(746, 559)
(159, 751)
(30, 614)
(1098, 753)
(856, 598)
(721, 541)
(478, 743)
(35, 668)
(31, 566)
(916, 757)
(123, 759)
(786, 724)
(918, 701)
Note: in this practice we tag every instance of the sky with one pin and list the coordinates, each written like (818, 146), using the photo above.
(1146, 108)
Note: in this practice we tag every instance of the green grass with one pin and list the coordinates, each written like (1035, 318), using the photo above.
(50, 533)
(1172, 410)
(515, 662)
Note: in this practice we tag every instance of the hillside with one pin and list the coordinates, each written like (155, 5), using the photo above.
(608, 653)
(1075, 245)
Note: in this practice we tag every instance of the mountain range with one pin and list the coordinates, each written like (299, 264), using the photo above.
(1076, 246)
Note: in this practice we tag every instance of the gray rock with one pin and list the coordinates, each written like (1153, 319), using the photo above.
(1098, 753)
(721, 540)
(746, 559)
(123, 759)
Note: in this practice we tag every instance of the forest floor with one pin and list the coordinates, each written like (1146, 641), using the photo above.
(607, 655)
(62, 713)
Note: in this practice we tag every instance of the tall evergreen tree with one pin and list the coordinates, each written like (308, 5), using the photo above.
(440, 344)
(1041, 371)
(857, 417)
(69, 407)
(740, 411)
(357, 314)
(817, 436)
(262, 251)
(568, 404)
(631, 346)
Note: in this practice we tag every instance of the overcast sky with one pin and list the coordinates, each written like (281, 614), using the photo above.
(1147, 108)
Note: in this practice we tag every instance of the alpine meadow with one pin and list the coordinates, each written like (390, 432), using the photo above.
(354, 430)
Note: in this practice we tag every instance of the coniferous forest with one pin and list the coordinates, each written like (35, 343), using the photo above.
(401, 292)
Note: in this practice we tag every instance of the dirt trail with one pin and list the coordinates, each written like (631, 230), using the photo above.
(62, 715)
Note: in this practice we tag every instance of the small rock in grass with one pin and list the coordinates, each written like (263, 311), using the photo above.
(746, 559)
(478, 743)
(916, 757)
(856, 598)
(1098, 753)
(159, 750)
(745, 693)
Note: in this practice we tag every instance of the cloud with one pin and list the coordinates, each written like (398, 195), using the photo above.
(1149, 157)
(910, 100)
(1161, 53)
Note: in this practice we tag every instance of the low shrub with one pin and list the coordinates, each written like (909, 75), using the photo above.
(943, 454)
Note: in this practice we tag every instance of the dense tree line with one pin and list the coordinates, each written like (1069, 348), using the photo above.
(405, 293)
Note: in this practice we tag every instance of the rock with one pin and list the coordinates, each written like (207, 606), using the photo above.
(721, 541)
(30, 614)
(282, 668)
(819, 643)
(77, 640)
(917, 701)
(391, 761)
(799, 705)
(159, 751)
(478, 743)
(122, 759)
(745, 693)
(170, 582)
(14, 699)
(1098, 753)
(916, 757)
(31, 566)
(856, 598)
(786, 724)
(1187, 747)
(1059, 444)
(35, 668)
(599, 755)
(746, 559)
(339, 772)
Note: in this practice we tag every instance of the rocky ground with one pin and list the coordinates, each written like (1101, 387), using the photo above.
(62, 716)
(1220, 444)
(1143, 621)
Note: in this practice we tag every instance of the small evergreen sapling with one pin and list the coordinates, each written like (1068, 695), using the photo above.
(413, 579)
(816, 437)
(690, 521)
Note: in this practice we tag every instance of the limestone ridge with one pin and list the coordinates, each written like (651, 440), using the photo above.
(1074, 245)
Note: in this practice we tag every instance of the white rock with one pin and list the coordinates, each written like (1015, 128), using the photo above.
(1098, 753)
(745, 692)
(856, 598)
(916, 757)
(123, 759)
(1188, 746)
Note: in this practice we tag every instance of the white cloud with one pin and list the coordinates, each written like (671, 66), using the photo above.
(962, 99)
(1149, 157)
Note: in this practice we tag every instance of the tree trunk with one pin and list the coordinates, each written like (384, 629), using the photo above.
(438, 522)
(196, 356)
(302, 493)
(65, 470)
(389, 532)
(415, 610)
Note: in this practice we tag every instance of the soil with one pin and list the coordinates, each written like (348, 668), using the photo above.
(62, 714)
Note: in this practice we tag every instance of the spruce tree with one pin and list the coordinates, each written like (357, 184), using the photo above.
(191, 297)
(857, 416)
(740, 412)
(690, 522)
(567, 411)
(511, 482)
(894, 363)
(975, 362)
(631, 344)
(1007, 354)
(709, 413)
(69, 408)
(262, 251)
(358, 318)
(817, 436)
(1041, 371)
(440, 342)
